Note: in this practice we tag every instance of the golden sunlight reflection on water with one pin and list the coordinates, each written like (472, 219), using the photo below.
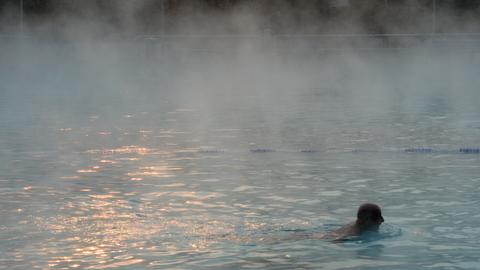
(130, 153)
(105, 231)
(112, 226)
(128, 149)
(153, 171)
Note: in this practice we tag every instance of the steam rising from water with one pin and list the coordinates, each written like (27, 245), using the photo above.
(122, 150)
(102, 82)
(93, 64)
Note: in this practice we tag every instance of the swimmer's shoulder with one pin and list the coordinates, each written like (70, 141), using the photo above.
(344, 232)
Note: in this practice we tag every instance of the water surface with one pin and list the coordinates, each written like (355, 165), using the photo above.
(202, 171)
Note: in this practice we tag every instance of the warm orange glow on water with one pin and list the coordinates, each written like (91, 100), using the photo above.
(70, 177)
(109, 230)
(92, 169)
(130, 159)
(154, 171)
(102, 196)
(128, 149)
(104, 229)
(100, 235)
(86, 171)
(107, 161)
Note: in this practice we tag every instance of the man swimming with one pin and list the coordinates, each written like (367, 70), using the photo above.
(369, 219)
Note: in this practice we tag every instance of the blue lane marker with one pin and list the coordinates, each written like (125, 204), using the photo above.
(470, 150)
(262, 150)
(308, 151)
(418, 150)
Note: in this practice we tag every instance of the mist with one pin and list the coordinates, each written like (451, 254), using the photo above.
(101, 58)
(172, 133)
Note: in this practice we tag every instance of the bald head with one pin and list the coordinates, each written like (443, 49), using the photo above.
(369, 215)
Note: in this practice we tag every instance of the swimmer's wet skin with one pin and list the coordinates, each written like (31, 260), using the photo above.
(369, 219)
